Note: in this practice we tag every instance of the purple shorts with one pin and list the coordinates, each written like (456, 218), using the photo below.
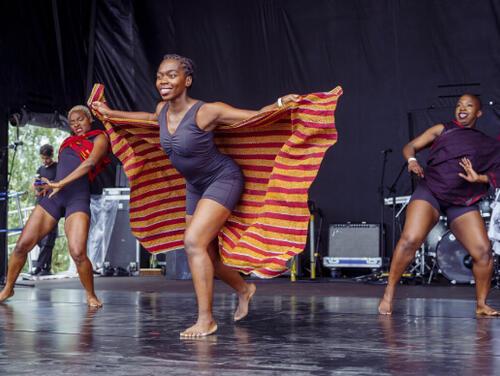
(60, 206)
(452, 212)
(226, 191)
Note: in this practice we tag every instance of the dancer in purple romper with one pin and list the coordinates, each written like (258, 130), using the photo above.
(450, 184)
(214, 182)
(208, 172)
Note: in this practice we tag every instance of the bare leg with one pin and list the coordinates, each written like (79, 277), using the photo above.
(232, 278)
(470, 230)
(39, 224)
(77, 230)
(203, 227)
(420, 218)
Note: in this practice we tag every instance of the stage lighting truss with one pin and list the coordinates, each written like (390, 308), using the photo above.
(38, 119)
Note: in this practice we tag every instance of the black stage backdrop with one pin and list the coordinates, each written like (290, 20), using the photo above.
(391, 57)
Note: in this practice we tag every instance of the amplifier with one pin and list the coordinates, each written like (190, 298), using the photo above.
(123, 248)
(353, 245)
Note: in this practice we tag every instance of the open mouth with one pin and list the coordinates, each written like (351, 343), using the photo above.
(165, 91)
(462, 115)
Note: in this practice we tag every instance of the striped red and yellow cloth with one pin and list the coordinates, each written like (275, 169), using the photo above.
(279, 152)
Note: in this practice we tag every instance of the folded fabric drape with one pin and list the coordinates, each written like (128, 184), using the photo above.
(279, 151)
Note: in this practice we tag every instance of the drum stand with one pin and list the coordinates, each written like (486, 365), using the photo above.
(420, 268)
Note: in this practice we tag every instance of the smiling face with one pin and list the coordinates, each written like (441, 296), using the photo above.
(467, 111)
(171, 79)
(79, 123)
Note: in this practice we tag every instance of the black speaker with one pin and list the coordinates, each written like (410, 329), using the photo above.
(355, 245)
(123, 247)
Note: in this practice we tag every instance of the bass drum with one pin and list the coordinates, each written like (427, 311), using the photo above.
(454, 262)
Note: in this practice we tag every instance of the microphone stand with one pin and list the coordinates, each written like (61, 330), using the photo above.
(392, 193)
(381, 194)
(313, 240)
(14, 146)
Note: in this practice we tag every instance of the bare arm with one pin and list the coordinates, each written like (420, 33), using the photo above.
(419, 143)
(218, 113)
(100, 150)
(107, 112)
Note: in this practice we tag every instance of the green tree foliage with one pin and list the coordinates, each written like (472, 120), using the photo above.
(23, 164)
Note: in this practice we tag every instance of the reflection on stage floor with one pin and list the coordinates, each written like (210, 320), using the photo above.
(51, 331)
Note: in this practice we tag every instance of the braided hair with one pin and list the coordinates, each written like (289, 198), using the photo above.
(186, 63)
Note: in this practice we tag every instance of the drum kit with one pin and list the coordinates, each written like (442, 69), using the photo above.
(442, 253)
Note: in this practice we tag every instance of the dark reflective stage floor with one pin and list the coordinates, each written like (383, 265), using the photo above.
(51, 332)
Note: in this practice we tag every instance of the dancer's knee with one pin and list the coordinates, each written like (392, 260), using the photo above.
(192, 245)
(78, 257)
(22, 247)
(482, 255)
(408, 243)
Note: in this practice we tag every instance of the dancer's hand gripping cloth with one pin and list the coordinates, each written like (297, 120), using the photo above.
(279, 152)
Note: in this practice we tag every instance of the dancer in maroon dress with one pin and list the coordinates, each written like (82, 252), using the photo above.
(462, 163)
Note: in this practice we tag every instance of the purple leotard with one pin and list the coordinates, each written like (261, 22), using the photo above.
(74, 197)
(208, 173)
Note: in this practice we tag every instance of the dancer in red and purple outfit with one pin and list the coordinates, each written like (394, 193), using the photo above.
(463, 162)
(81, 158)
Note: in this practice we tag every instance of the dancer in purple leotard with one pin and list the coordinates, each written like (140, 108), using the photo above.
(450, 184)
(214, 181)
(68, 196)
(208, 172)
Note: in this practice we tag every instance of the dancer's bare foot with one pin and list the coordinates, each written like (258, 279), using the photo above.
(243, 302)
(93, 302)
(6, 294)
(385, 306)
(200, 329)
(486, 310)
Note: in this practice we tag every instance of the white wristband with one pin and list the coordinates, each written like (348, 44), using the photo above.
(411, 159)
(280, 102)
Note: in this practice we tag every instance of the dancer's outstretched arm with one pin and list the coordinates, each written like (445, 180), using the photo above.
(107, 112)
(214, 114)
